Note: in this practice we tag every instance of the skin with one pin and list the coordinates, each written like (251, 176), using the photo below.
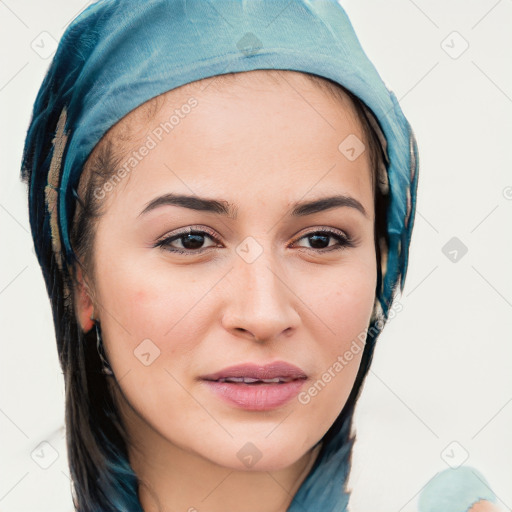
(485, 506)
(262, 146)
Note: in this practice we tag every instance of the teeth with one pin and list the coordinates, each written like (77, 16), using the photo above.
(232, 379)
(250, 380)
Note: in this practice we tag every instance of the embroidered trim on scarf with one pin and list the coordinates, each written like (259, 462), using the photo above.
(52, 194)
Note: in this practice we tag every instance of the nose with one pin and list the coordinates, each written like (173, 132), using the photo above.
(262, 305)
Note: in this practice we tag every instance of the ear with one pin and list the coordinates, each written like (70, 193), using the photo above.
(84, 305)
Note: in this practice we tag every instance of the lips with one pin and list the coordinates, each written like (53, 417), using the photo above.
(255, 387)
(252, 373)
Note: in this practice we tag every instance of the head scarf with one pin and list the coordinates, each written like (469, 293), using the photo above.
(118, 54)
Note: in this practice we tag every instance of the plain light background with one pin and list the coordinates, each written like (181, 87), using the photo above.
(439, 392)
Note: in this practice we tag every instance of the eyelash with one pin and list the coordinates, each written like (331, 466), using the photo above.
(344, 241)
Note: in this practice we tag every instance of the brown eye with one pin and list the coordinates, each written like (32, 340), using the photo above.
(192, 242)
(320, 241)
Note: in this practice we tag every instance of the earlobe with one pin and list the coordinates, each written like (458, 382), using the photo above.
(84, 306)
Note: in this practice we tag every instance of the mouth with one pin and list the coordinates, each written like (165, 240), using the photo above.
(256, 387)
(250, 373)
(250, 380)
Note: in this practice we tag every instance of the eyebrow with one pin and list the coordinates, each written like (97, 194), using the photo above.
(299, 209)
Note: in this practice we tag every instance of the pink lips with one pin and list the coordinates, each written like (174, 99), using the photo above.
(255, 387)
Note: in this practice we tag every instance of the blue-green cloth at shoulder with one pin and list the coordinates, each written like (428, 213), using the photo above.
(455, 490)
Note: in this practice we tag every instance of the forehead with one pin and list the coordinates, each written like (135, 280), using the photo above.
(249, 131)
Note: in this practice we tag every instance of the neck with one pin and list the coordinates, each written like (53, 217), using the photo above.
(176, 480)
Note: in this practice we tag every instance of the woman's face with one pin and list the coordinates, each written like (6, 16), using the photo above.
(260, 283)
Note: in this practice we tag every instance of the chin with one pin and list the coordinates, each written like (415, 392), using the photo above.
(259, 453)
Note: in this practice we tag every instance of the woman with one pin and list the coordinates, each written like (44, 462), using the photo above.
(222, 197)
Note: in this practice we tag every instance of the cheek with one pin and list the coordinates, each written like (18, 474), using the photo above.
(144, 299)
(342, 301)
(343, 304)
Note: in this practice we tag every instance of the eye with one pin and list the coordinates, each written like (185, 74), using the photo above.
(320, 240)
(191, 241)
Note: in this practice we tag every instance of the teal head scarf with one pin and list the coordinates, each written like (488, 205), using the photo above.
(118, 54)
